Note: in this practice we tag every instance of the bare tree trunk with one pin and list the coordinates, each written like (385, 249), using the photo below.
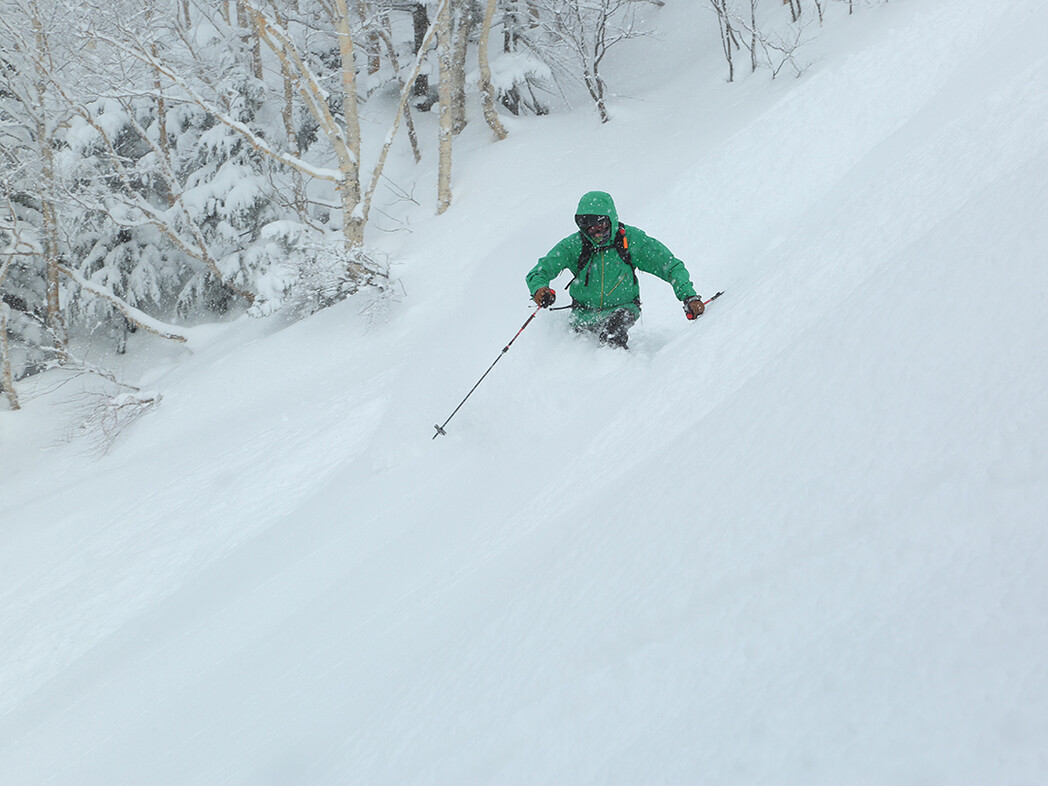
(727, 35)
(591, 70)
(753, 36)
(387, 36)
(511, 98)
(374, 55)
(287, 114)
(349, 190)
(509, 28)
(6, 378)
(420, 23)
(161, 104)
(463, 25)
(250, 37)
(161, 112)
(298, 187)
(487, 91)
(47, 206)
(444, 57)
(595, 86)
(55, 321)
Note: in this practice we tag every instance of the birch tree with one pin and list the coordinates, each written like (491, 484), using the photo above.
(7, 384)
(464, 20)
(487, 90)
(445, 46)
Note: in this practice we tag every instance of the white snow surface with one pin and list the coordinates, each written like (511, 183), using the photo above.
(799, 541)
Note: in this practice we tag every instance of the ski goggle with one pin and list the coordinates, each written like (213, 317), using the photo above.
(594, 226)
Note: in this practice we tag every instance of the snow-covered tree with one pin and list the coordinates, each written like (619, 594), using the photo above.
(522, 71)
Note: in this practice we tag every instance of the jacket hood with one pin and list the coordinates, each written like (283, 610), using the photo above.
(599, 203)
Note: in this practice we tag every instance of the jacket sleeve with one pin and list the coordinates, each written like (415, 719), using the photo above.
(653, 257)
(562, 256)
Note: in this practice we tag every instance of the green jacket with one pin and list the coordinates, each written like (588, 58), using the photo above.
(608, 283)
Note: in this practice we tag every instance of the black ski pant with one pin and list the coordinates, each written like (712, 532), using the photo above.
(613, 331)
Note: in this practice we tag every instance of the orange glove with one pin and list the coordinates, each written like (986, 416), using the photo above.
(693, 307)
(544, 296)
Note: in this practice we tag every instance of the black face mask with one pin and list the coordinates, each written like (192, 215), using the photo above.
(596, 228)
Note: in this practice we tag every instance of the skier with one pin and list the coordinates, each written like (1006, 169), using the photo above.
(605, 255)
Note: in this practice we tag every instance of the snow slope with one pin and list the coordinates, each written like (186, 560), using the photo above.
(798, 541)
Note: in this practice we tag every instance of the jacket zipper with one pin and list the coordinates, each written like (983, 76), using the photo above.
(602, 266)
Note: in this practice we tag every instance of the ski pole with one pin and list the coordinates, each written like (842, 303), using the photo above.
(505, 349)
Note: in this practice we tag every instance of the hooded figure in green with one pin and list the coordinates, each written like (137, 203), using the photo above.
(604, 255)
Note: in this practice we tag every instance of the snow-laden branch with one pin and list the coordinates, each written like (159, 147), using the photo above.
(132, 314)
(18, 246)
(137, 202)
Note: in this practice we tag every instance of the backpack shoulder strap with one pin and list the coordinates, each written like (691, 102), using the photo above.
(622, 245)
(584, 257)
